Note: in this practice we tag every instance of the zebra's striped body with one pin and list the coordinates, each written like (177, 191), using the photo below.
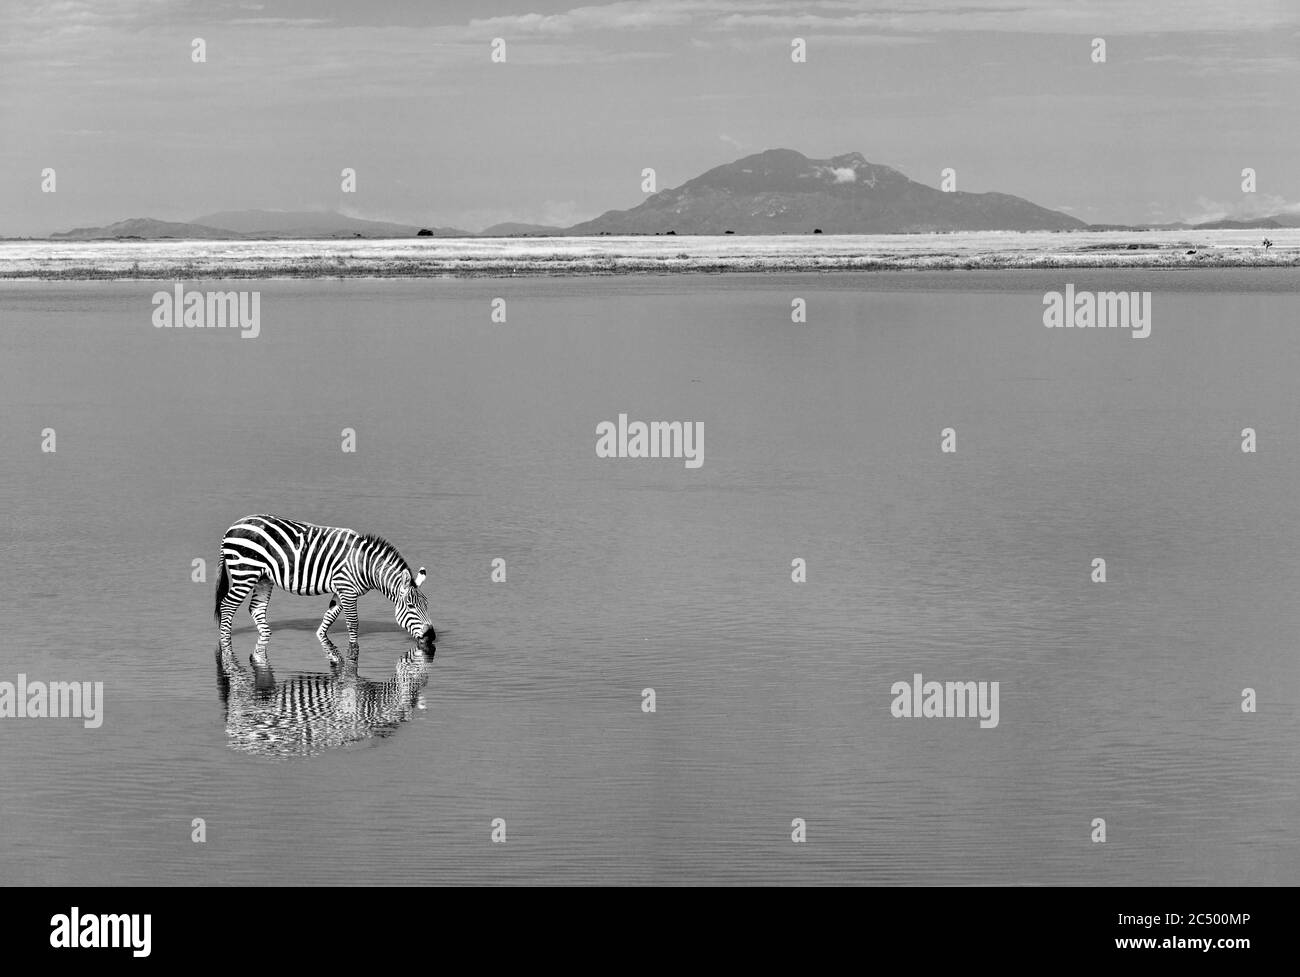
(307, 714)
(261, 552)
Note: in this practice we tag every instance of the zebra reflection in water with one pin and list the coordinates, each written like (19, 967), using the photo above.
(310, 713)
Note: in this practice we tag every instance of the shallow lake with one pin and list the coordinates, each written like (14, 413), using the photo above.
(475, 442)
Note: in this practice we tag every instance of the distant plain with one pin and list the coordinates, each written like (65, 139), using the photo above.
(472, 257)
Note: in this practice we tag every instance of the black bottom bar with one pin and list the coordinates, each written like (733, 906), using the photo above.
(908, 927)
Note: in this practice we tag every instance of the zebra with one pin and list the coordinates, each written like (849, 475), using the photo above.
(261, 552)
(310, 713)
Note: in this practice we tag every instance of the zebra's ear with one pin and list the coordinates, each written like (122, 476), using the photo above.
(419, 578)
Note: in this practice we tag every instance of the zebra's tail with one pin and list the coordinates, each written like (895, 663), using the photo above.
(223, 587)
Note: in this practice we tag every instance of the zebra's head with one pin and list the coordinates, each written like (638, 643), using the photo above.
(411, 609)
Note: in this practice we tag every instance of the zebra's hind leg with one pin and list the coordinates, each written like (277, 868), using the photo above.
(239, 589)
(257, 608)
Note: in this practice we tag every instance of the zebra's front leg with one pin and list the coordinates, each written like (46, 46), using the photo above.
(331, 615)
(257, 608)
(261, 665)
(335, 659)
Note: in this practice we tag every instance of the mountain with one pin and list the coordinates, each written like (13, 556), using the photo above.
(255, 225)
(1239, 225)
(1219, 224)
(516, 229)
(147, 228)
(312, 224)
(781, 191)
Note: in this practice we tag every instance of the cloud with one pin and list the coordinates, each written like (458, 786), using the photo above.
(621, 15)
(1249, 207)
(837, 17)
(279, 21)
(845, 174)
(555, 213)
(561, 213)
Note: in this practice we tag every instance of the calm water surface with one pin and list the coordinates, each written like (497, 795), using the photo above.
(476, 442)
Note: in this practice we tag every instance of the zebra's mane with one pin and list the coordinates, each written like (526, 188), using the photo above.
(383, 547)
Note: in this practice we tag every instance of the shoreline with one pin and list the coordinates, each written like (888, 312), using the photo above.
(273, 273)
(609, 256)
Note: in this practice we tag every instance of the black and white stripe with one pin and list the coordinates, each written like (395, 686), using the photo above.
(261, 552)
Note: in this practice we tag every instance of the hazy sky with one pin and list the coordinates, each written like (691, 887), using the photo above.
(405, 92)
